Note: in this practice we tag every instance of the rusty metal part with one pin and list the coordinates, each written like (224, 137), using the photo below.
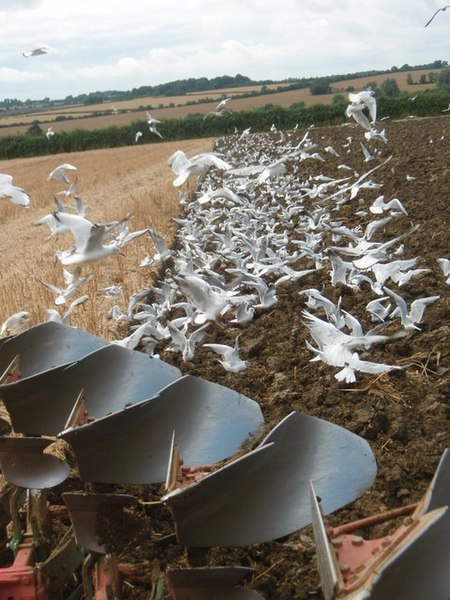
(133, 446)
(85, 509)
(106, 578)
(205, 583)
(21, 579)
(46, 346)
(421, 569)
(265, 494)
(23, 463)
(111, 378)
(411, 563)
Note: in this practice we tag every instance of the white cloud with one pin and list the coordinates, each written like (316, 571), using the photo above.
(104, 45)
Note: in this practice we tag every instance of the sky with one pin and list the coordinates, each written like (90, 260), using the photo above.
(99, 45)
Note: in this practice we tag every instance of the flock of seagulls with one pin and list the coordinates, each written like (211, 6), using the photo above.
(254, 223)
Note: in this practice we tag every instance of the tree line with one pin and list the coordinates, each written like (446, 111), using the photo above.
(192, 85)
(35, 142)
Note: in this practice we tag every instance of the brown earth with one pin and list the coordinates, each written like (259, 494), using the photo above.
(404, 414)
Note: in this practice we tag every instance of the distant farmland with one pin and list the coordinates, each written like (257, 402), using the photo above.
(122, 113)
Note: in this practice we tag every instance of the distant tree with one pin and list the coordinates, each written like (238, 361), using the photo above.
(409, 79)
(34, 129)
(320, 86)
(443, 81)
(390, 88)
(339, 99)
(350, 88)
(423, 78)
(432, 77)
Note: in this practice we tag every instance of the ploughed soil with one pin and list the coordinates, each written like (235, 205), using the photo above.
(404, 414)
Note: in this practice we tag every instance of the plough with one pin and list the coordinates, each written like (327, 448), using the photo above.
(128, 419)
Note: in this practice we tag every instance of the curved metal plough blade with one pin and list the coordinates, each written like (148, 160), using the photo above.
(111, 378)
(85, 513)
(24, 464)
(133, 446)
(46, 346)
(265, 494)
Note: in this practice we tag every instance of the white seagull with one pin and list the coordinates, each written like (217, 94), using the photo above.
(53, 315)
(15, 322)
(36, 51)
(60, 172)
(185, 168)
(72, 280)
(338, 356)
(444, 263)
(88, 239)
(409, 319)
(16, 194)
(230, 356)
(443, 9)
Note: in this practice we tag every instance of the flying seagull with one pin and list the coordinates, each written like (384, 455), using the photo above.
(443, 9)
(15, 322)
(89, 240)
(230, 356)
(36, 51)
(16, 194)
(60, 173)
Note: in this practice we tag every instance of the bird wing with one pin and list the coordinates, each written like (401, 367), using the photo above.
(178, 162)
(356, 111)
(79, 226)
(95, 239)
(59, 172)
(418, 307)
(222, 349)
(438, 10)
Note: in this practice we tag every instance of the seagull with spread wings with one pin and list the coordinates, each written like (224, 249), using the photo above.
(16, 194)
(36, 51)
(443, 9)
(89, 240)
